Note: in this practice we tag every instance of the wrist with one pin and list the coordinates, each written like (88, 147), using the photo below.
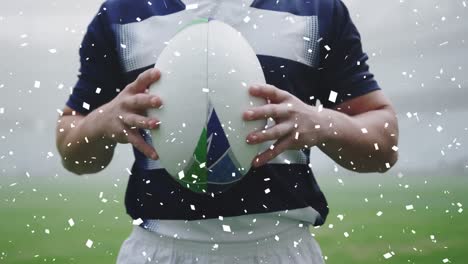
(95, 125)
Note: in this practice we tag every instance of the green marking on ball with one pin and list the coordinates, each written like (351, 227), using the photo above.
(196, 177)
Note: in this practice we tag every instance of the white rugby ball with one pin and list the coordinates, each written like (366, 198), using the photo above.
(206, 70)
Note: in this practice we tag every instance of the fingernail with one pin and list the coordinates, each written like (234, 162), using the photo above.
(154, 102)
(154, 73)
(154, 156)
(249, 114)
(251, 139)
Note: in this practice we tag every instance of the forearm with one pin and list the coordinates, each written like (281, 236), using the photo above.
(83, 147)
(365, 142)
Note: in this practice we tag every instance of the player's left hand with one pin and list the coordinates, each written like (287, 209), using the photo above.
(297, 124)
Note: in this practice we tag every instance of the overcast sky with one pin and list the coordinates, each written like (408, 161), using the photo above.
(418, 53)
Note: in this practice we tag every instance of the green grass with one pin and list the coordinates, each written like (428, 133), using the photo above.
(28, 208)
(407, 233)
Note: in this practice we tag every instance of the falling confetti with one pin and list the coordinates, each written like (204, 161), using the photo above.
(89, 243)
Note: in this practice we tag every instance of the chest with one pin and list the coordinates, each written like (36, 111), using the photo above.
(286, 44)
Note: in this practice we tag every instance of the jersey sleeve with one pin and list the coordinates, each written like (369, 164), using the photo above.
(100, 76)
(344, 72)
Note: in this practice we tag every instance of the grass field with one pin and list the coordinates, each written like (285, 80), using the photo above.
(35, 228)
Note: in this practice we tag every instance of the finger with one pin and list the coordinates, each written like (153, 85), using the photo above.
(138, 121)
(277, 148)
(267, 91)
(275, 111)
(142, 101)
(139, 143)
(143, 81)
(276, 132)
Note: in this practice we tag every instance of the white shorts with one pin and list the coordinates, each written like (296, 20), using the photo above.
(296, 246)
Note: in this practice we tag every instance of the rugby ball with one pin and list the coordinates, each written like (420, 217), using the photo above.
(206, 69)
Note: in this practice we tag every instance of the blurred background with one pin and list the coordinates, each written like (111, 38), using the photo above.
(412, 214)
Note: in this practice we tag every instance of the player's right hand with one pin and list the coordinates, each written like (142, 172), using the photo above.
(126, 113)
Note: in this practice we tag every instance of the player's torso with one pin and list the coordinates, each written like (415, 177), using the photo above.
(285, 36)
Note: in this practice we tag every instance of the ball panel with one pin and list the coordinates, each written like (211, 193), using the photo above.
(179, 132)
(232, 67)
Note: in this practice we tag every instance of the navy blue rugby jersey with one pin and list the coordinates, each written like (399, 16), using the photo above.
(309, 48)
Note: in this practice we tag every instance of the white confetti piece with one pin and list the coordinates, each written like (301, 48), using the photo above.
(89, 243)
(123, 46)
(137, 222)
(191, 6)
(37, 84)
(327, 47)
(346, 234)
(409, 207)
(53, 51)
(276, 237)
(226, 228)
(445, 260)
(376, 146)
(364, 130)
(71, 223)
(439, 129)
(47, 231)
(387, 255)
(395, 148)
(332, 96)
(2, 110)
(246, 19)
(98, 90)
(267, 191)
(379, 213)
(86, 105)
(192, 207)
(340, 216)
(181, 175)
(177, 53)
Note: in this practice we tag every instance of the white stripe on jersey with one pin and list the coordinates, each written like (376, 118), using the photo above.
(270, 33)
